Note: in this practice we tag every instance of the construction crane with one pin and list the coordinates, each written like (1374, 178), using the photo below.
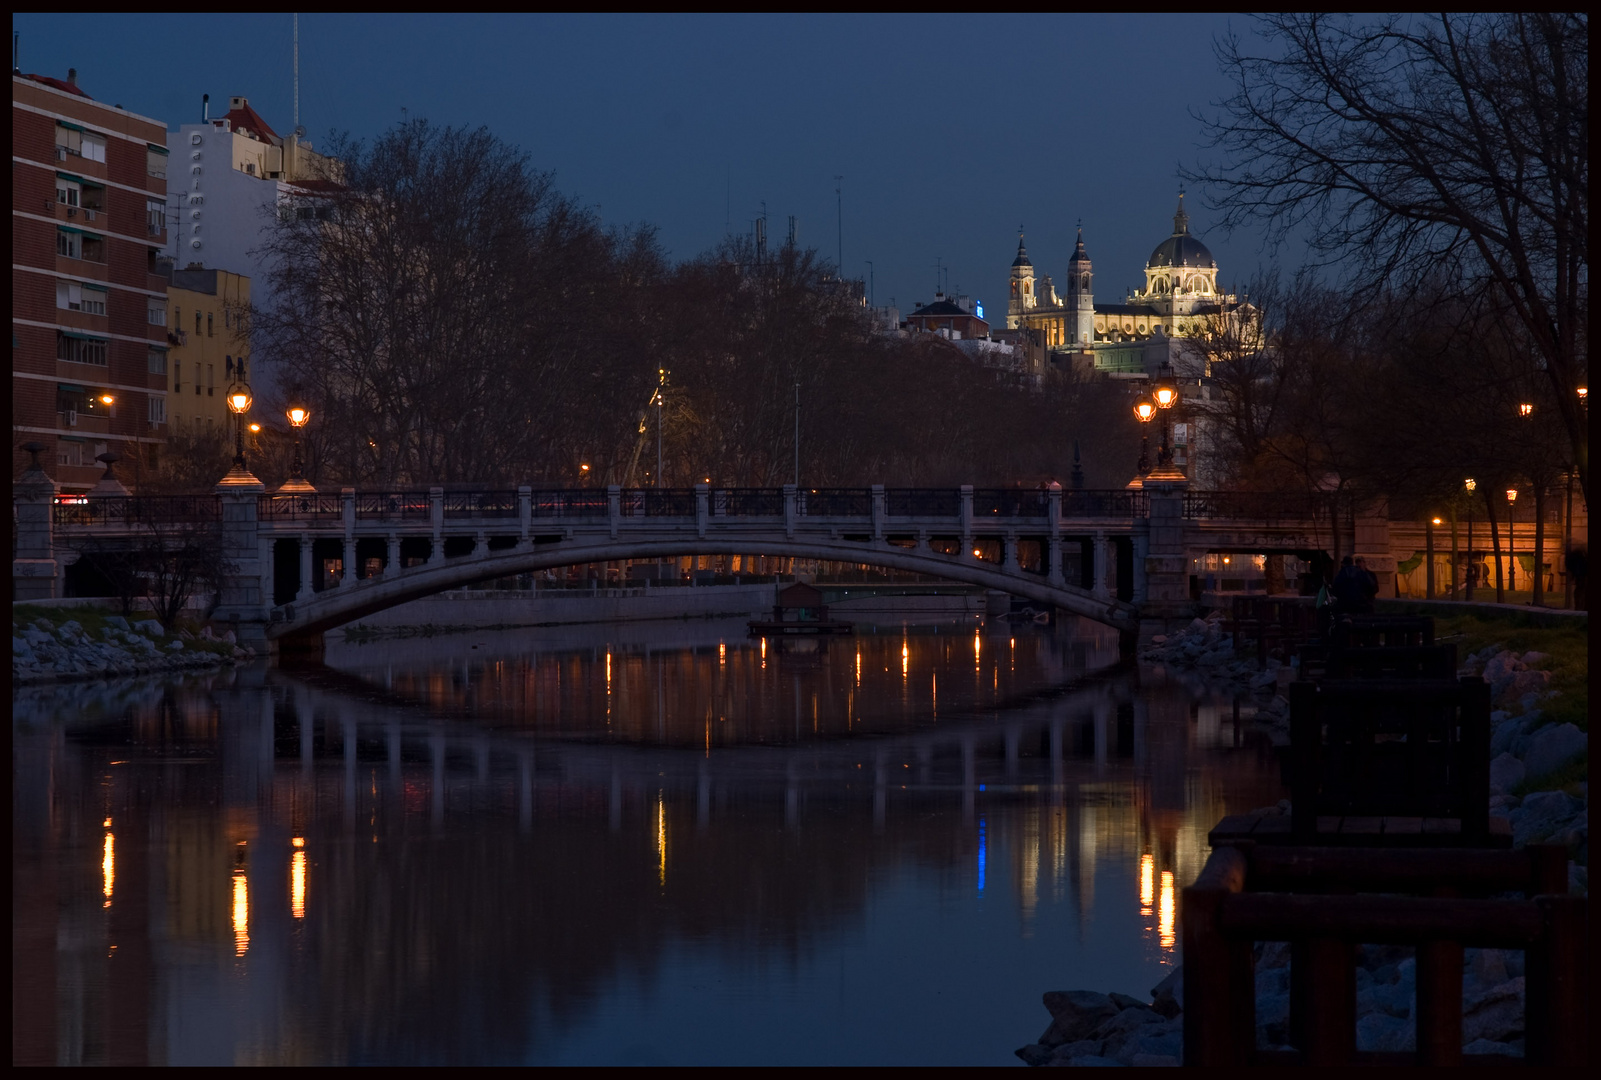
(644, 428)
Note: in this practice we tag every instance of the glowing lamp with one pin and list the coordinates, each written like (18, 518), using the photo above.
(239, 398)
(1165, 390)
(1584, 393)
(255, 429)
(1144, 409)
(1511, 495)
(1436, 521)
(1470, 484)
(298, 415)
(106, 399)
(1525, 409)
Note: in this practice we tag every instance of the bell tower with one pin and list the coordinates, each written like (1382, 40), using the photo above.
(1081, 296)
(1022, 299)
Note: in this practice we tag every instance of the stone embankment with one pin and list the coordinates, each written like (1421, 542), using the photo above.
(1538, 782)
(43, 650)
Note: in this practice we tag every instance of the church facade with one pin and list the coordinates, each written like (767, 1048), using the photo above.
(1161, 323)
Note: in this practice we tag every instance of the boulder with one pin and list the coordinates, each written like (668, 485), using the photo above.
(1076, 1014)
(1506, 772)
(150, 628)
(1517, 684)
(1551, 747)
(1034, 1054)
(1083, 1048)
(1090, 1061)
(1379, 1032)
(118, 621)
(1500, 666)
(1167, 996)
(1541, 815)
(1127, 1001)
(1154, 1061)
(1486, 1046)
(1535, 659)
(1497, 1015)
(1115, 1028)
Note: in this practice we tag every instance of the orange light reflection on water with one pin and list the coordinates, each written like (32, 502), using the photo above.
(1147, 883)
(297, 879)
(1164, 924)
(108, 866)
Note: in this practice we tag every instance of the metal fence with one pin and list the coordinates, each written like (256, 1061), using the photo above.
(1115, 502)
(1011, 503)
(307, 506)
(659, 502)
(834, 502)
(394, 505)
(748, 502)
(481, 504)
(1264, 505)
(922, 502)
(569, 504)
(138, 510)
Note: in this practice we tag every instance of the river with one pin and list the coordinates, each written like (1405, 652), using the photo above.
(647, 843)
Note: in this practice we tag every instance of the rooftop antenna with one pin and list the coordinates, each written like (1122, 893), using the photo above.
(938, 277)
(297, 73)
(839, 226)
(728, 200)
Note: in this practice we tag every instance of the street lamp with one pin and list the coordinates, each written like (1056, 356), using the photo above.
(1511, 543)
(1470, 485)
(1166, 394)
(1144, 412)
(239, 401)
(1525, 409)
(297, 414)
(1428, 557)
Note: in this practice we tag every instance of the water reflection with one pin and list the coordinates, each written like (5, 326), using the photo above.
(719, 862)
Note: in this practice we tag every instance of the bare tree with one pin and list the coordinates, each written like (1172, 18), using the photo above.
(1427, 150)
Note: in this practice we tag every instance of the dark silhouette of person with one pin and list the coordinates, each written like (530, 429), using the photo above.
(1367, 587)
(1346, 587)
(1578, 565)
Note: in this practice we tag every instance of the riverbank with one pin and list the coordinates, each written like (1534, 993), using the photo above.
(1538, 671)
(70, 643)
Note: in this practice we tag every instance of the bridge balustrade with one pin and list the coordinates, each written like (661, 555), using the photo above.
(748, 502)
(659, 502)
(1116, 502)
(1261, 505)
(834, 502)
(573, 504)
(481, 504)
(138, 510)
(393, 506)
(309, 506)
(922, 502)
(1011, 503)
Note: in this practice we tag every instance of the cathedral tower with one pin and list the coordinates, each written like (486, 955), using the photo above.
(1080, 296)
(1022, 299)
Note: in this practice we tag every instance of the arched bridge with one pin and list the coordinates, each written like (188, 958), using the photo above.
(1114, 556)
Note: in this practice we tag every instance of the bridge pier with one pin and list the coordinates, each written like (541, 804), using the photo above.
(240, 602)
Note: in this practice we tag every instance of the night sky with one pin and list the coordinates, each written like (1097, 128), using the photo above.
(949, 131)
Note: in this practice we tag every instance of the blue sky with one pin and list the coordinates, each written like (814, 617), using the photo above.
(949, 131)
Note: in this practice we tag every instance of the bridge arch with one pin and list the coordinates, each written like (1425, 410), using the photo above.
(348, 602)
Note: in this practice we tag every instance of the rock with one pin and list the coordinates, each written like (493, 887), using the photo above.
(1158, 639)
(1092, 1062)
(1499, 667)
(175, 645)
(1167, 996)
(1128, 1020)
(1551, 747)
(1518, 684)
(1168, 1042)
(230, 637)
(118, 621)
(1487, 1046)
(1541, 815)
(1034, 1054)
(1126, 1001)
(1378, 1032)
(1506, 772)
(1153, 1061)
(1083, 1048)
(1504, 730)
(1488, 967)
(1076, 1015)
(150, 628)
(1497, 1016)
(1535, 659)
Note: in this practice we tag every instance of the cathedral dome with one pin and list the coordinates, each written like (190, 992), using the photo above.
(1022, 255)
(1181, 249)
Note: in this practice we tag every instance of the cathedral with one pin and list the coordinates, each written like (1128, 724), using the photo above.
(1158, 324)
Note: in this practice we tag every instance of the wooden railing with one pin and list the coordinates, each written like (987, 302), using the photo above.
(1326, 902)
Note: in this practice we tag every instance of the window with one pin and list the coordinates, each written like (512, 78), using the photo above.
(155, 161)
(197, 323)
(155, 216)
(177, 318)
(68, 192)
(69, 452)
(211, 380)
(177, 376)
(69, 141)
(69, 244)
(158, 361)
(94, 147)
(158, 410)
(80, 349)
(158, 313)
(73, 296)
(208, 325)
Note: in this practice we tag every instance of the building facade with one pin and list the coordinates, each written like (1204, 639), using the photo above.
(209, 330)
(233, 174)
(88, 304)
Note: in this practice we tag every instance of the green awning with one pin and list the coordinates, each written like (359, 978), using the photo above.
(69, 228)
(82, 337)
(91, 285)
(70, 127)
(156, 149)
(69, 176)
(70, 388)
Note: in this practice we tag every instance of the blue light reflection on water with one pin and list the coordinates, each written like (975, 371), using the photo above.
(476, 895)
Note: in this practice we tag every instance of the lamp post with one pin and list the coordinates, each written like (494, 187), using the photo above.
(1428, 558)
(297, 414)
(1470, 485)
(239, 401)
(1165, 393)
(1511, 544)
(1144, 412)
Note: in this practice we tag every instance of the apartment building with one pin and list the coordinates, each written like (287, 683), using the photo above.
(209, 330)
(88, 306)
